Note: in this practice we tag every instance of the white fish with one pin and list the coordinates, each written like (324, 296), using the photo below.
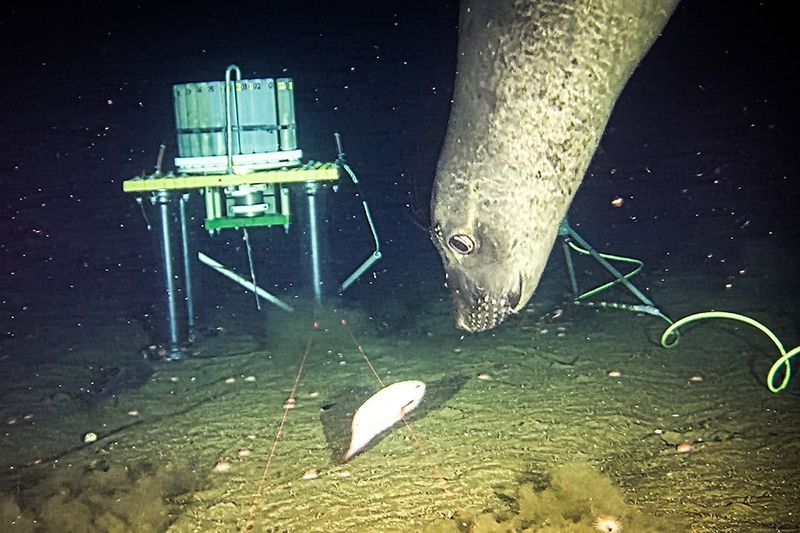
(381, 411)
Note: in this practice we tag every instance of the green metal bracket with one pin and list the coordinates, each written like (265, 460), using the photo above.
(246, 222)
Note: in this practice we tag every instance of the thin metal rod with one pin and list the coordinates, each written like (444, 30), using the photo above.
(233, 276)
(246, 237)
(160, 159)
(187, 265)
(368, 262)
(573, 280)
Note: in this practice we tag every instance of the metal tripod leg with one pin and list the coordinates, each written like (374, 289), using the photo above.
(565, 230)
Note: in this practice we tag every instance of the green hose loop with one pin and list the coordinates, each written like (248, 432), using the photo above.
(782, 361)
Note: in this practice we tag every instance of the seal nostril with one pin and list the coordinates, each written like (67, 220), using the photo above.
(515, 295)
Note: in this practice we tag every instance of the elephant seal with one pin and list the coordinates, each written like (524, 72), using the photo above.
(535, 85)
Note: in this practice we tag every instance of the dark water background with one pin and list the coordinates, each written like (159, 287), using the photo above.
(701, 144)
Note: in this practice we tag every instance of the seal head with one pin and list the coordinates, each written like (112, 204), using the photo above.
(535, 85)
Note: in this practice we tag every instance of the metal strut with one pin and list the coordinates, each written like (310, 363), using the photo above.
(376, 255)
(648, 307)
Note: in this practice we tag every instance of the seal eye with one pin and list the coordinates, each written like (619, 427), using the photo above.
(462, 244)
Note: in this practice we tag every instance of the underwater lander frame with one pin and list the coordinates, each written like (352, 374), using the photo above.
(237, 147)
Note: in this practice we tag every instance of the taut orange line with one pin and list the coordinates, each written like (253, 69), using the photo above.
(250, 523)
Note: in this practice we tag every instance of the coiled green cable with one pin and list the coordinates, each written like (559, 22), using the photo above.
(782, 361)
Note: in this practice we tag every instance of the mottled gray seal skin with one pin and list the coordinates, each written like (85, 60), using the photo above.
(535, 85)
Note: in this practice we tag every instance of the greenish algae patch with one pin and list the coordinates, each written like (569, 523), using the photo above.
(576, 499)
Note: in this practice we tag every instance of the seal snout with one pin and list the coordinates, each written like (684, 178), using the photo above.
(477, 309)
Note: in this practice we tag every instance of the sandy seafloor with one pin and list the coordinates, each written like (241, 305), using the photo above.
(521, 427)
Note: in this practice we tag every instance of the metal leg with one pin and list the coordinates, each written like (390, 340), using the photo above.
(573, 280)
(163, 200)
(377, 254)
(313, 235)
(187, 267)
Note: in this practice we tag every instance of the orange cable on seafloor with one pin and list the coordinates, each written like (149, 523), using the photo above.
(287, 406)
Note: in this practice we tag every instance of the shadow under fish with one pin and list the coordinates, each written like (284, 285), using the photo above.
(114, 381)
